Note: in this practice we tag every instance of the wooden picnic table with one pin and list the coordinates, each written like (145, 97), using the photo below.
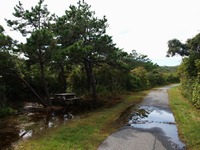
(64, 94)
(66, 98)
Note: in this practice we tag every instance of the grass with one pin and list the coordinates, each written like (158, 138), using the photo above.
(187, 118)
(86, 132)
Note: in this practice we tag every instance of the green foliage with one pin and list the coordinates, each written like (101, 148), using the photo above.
(10, 89)
(170, 74)
(28, 21)
(156, 78)
(143, 79)
(176, 47)
(6, 62)
(189, 68)
(189, 83)
(6, 111)
(106, 78)
(135, 60)
(39, 46)
(187, 88)
(141, 74)
(196, 94)
(197, 64)
(111, 80)
(6, 42)
(172, 77)
(3, 95)
(77, 81)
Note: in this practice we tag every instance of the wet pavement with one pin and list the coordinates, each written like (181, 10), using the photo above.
(27, 124)
(151, 126)
(158, 121)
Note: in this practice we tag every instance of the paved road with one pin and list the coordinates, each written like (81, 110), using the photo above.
(130, 139)
(152, 138)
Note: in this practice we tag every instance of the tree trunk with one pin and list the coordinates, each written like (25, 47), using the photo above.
(91, 80)
(88, 74)
(63, 79)
(42, 74)
(93, 85)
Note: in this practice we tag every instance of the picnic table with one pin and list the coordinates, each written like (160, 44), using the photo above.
(64, 98)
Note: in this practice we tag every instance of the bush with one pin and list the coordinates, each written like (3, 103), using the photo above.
(191, 90)
(6, 111)
(196, 94)
(187, 87)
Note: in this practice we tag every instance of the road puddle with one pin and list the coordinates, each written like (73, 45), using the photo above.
(28, 124)
(157, 121)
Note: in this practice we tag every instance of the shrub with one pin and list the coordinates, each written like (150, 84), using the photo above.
(6, 111)
(196, 94)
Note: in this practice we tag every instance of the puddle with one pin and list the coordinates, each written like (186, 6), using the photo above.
(153, 119)
(24, 126)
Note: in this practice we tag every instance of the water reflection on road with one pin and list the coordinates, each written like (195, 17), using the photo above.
(158, 121)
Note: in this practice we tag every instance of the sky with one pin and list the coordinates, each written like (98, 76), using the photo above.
(142, 25)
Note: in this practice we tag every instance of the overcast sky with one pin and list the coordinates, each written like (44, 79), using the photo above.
(142, 25)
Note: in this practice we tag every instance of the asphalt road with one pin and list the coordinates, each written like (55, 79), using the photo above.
(147, 138)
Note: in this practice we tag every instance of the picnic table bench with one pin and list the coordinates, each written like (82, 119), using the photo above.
(64, 98)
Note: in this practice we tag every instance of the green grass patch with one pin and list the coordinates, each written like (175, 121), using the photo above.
(187, 118)
(85, 132)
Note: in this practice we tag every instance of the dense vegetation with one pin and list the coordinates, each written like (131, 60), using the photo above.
(69, 53)
(189, 70)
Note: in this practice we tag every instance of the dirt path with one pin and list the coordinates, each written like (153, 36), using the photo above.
(151, 127)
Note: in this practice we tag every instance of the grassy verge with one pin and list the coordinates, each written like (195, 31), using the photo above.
(86, 132)
(187, 118)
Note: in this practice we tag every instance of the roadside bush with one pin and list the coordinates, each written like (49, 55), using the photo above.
(196, 94)
(187, 87)
(172, 78)
(191, 90)
(190, 84)
(141, 76)
(136, 83)
(155, 79)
